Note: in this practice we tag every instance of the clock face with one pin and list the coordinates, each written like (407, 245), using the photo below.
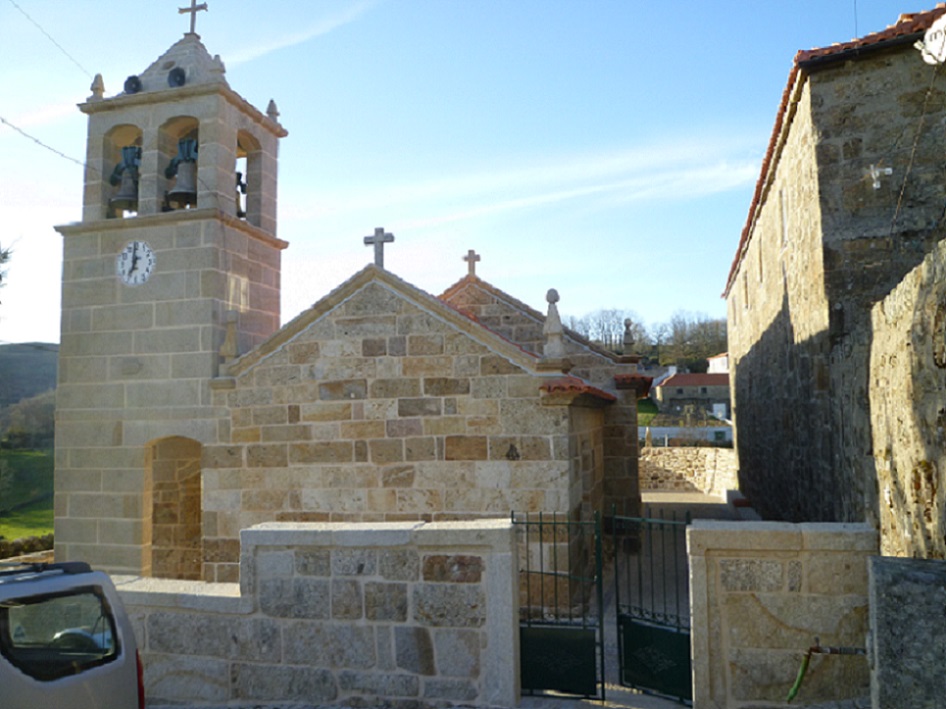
(135, 263)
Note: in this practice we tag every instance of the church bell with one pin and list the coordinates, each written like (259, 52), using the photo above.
(184, 167)
(125, 175)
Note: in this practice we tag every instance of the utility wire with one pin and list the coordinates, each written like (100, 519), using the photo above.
(40, 143)
(49, 37)
(916, 142)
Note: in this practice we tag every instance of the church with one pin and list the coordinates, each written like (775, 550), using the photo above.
(186, 412)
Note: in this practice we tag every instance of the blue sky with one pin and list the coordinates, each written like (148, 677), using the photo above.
(606, 148)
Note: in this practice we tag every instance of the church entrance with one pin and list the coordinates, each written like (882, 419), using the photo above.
(591, 618)
(173, 465)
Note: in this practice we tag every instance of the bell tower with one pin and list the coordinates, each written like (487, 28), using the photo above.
(173, 271)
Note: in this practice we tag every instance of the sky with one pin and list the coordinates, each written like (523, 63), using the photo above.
(605, 148)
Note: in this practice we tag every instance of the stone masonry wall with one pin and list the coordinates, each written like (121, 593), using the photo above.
(340, 613)
(709, 470)
(380, 411)
(908, 411)
(825, 247)
(760, 593)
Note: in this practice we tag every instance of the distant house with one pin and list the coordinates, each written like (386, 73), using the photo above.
(718, 364)
(707, 392)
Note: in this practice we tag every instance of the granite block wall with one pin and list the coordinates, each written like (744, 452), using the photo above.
(760, 595)
(709, 470)
(340, 613)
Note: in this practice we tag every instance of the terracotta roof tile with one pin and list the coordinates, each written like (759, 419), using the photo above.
(632, 380)
(908, 25)
(696, 380)
(574, 385)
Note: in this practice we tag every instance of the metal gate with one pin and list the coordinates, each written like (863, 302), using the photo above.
(561, 629)
(651, 580)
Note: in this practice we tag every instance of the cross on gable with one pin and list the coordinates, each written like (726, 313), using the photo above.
(379, 239)
(193, 10)
(471, 258)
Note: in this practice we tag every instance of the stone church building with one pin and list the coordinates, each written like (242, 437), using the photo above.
(836, 296)
(186, 413)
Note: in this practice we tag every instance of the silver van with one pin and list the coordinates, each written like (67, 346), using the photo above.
(65, 640)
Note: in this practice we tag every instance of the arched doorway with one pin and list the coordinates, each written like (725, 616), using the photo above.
(176, 535)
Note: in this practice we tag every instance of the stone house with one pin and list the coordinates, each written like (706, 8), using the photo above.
(705, 392)
(835, 299)
(185, 413)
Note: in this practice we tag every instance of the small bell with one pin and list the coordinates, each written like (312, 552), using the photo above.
(184, 167)
(125, 175)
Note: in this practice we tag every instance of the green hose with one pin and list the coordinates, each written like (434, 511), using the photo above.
(801, 675)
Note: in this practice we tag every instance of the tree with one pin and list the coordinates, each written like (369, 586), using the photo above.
(605, 327)
(689, 340)
(30, 423)
(4, 257)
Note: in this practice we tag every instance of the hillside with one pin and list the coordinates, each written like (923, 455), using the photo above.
(26, 369)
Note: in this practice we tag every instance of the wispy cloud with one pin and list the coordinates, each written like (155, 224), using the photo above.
(322, 27)
(604, 180)
(44, 115)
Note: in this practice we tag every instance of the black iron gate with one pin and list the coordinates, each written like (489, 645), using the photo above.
(651, 579)
(561, 629)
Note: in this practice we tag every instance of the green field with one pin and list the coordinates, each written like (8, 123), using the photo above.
(646, 410)
(26, 493)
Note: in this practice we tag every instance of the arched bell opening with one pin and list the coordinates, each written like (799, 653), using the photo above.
(173, 468)
(178, 148)
(121, 153)
(249, 166)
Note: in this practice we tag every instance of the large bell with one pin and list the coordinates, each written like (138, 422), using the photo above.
(184, 193)
(126, 199)
(184, 167)
(125, 175)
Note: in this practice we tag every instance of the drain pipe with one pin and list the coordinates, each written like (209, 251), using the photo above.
(819, 650)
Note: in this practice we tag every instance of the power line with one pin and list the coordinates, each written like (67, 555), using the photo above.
(40, 143)
(49, 37)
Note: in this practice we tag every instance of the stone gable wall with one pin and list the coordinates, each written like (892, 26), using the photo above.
(380, 411)
(523, 328)
(332, 613)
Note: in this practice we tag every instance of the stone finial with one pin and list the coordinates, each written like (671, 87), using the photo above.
(272, 111)
(228, 350)
(97, 88)
(553, 353)
(628, 337)
(218, 68)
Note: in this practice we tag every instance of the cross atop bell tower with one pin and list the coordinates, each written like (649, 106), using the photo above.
(193, 10)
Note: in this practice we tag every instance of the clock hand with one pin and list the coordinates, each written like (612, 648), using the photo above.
(134, 258)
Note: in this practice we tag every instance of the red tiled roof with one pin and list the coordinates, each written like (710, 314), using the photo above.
(905, 30)
(574, 385)
(632, 380)
(696, 380)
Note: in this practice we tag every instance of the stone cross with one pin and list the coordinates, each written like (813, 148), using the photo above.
(193, 10)
(379, 239)
(471, 258)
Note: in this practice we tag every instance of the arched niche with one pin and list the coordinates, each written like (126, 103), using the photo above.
(249, 179)
(170, 135)
(121, 156)
(173, 467)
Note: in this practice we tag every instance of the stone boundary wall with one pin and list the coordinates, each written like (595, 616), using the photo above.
(339, 613)
(709, 470)
(760, 593)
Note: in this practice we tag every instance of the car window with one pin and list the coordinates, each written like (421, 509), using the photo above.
(56, 635)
